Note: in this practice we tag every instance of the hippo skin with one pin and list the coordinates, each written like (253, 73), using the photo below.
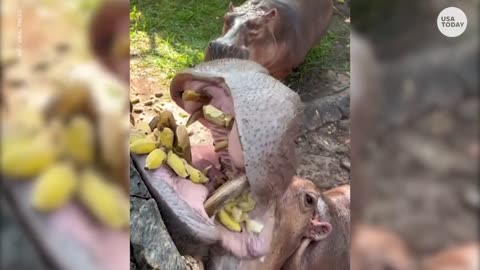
(274, 33)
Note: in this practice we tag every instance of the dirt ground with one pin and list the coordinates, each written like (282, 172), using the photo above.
(324, 143)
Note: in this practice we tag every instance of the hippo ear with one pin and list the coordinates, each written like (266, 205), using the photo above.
(230, 7)
(270, 14)
(318, 230)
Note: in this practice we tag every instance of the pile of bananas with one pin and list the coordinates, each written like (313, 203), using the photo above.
(58, 147)
(236, 211)
(165, 142)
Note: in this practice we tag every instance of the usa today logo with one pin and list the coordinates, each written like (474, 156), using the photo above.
(452, 22)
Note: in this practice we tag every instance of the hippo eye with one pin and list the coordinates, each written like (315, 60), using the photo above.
(252, 25)
(309, 200)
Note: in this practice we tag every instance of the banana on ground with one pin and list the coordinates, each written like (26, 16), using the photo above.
(55, 187)
(155, 159)
(104, 200)
(177, 164)
(195, 175)
(143, 145)
(166, 137)
(79, 140)
(143, 127)
(135, 135)
(28, 157)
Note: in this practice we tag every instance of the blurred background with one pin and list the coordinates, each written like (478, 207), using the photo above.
(415, 137)
(64, 128)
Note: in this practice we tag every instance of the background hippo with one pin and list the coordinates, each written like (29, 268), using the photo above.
(274, 33)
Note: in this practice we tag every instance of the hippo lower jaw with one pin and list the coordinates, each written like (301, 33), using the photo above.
(219, 50)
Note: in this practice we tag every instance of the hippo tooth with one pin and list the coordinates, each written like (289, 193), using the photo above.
(224, 193)
(220, 145)
(194, 117)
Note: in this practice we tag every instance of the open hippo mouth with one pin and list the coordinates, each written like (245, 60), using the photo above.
(253, 148)
(219, 50)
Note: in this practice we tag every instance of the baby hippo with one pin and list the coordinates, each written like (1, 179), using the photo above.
(274, 33)
(331, 252)
(258, 154)
(302, 217)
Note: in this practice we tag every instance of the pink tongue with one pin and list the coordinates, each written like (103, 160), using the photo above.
(203, 156)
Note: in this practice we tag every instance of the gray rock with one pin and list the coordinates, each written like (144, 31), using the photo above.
(137, 187)
(16, 249)
(151, 243)
(326, 110)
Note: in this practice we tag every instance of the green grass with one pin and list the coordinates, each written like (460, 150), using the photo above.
(172, 35)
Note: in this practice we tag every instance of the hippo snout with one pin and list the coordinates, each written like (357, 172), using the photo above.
(217, 50)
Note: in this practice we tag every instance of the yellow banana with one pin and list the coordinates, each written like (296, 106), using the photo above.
(79, 140)
(177, 164)
(195, 175)
(143, 146)
(192, 95)
(244, 217)
(227, 221)
(155, 159)
(166, 137)
(135, 135)
(236, 214)
(247, 206)
(28, 157)
(143, 127)
(229, 206)
(29, 120)
(55, 187)
(104, 200)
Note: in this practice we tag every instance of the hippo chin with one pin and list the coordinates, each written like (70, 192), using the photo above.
(260, 148)
(274, 33)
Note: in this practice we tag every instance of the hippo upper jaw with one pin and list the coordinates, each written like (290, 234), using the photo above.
(266, 115)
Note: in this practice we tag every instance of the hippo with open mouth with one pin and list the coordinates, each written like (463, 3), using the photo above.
(274, 33)
(261, 150)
